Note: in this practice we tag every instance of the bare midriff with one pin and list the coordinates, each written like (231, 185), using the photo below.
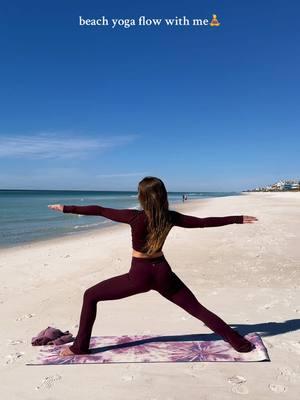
(138, 254)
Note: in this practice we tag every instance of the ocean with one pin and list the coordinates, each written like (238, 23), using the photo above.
(25, 216)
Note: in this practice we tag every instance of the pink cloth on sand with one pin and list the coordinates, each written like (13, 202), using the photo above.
(51, 335)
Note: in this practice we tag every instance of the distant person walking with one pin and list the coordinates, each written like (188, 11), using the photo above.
(149, 268)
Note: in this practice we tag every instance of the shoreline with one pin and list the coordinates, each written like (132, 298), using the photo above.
(106, 237)
(88, 232)
(111, 225)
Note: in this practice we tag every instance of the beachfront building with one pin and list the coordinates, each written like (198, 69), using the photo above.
(282, 185)
(291, 185)
(278, 186)
(296, 186)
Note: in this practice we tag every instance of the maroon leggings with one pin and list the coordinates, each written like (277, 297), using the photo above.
(147, 274)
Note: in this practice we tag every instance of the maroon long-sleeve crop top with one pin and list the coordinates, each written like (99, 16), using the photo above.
(137, 219)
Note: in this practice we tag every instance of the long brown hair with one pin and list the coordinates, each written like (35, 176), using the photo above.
(154, 200)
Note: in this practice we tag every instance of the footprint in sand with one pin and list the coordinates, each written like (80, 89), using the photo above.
(238, 384)
(25, 316)
(277, 388)
(17, 341)
(49, 381)
(237, 379)
(239, 389)
(288, 374)
(11, 358)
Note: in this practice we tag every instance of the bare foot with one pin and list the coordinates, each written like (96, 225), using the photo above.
(245, 348)
(66, 352)
(240, 343)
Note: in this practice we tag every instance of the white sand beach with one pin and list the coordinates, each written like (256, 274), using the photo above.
(247, 274)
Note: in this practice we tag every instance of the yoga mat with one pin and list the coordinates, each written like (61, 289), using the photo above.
(153, 348)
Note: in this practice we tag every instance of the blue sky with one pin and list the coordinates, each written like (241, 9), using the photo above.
(98, 108)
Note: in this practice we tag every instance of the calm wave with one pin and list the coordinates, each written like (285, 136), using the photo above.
(25, 216)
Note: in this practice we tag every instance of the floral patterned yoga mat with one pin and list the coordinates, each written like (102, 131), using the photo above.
(152, 348)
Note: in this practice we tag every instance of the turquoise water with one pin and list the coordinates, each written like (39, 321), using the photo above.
(25, 216)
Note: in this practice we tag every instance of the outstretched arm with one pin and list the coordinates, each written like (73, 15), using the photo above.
(125, 215)
(189, 221)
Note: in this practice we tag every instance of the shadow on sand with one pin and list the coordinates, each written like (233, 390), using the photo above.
(264, 330)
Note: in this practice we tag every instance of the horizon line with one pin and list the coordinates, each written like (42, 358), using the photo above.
(93, 190)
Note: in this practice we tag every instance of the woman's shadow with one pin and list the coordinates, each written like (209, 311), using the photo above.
(264, 330)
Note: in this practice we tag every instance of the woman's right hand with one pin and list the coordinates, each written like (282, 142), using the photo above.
(56, 207)
(247, 219)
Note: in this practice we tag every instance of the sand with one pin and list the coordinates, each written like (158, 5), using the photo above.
(247, 274)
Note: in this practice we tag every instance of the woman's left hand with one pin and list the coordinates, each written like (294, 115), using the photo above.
(56, 207)
(247, 219)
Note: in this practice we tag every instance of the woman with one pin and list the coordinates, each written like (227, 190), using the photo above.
(149, 267)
